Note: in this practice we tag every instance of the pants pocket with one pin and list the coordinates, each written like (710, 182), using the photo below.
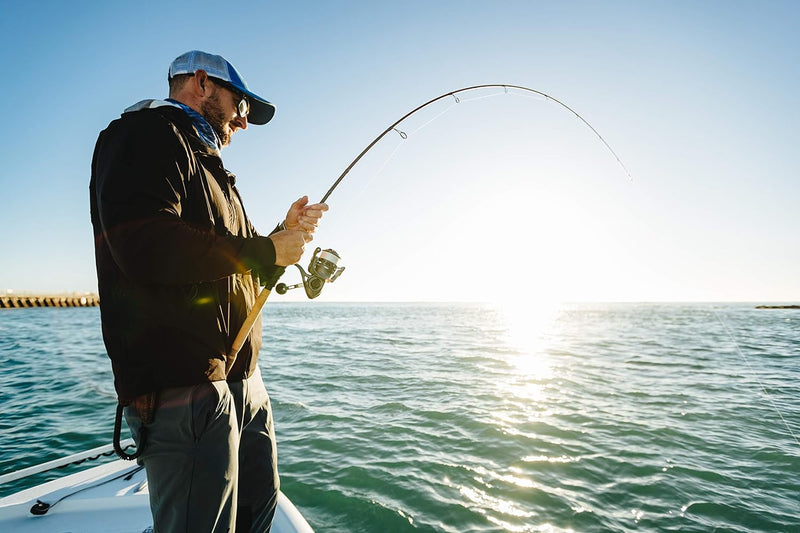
(211, 403)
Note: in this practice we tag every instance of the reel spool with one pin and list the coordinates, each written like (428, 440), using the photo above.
(322, 268)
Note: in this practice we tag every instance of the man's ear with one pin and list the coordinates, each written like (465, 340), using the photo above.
(200, 82)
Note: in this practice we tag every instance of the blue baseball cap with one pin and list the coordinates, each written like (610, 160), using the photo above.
(261, 111)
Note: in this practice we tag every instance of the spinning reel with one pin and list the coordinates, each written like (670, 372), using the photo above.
(322, 268)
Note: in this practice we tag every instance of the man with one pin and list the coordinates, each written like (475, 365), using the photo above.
(178, 266)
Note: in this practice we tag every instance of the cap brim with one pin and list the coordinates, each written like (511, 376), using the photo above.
(261, 111)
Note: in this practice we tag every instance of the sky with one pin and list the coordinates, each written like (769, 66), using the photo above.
(495, 197)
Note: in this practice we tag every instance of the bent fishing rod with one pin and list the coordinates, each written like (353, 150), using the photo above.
(506, 87)
(323, 267)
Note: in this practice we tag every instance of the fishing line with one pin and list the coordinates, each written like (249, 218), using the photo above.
(403, 137)
(755, 376)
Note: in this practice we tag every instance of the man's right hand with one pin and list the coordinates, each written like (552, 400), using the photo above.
(289, 246)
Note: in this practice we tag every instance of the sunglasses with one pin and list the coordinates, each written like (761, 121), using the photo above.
(243, 107)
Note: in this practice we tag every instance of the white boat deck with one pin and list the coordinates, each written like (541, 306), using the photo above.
(110, 498)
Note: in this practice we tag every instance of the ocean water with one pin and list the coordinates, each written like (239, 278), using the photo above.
(471, 418)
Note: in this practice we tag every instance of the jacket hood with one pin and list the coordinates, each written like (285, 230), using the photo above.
(149, 104)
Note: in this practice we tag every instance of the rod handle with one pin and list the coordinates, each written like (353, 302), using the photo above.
(238, 342)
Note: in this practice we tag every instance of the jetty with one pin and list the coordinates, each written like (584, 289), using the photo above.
(778, 307)
(9, 301)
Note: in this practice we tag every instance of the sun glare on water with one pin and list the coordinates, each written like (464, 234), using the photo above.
(528, 325)
(527, 328)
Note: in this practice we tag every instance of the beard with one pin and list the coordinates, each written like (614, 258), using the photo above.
(212, 111)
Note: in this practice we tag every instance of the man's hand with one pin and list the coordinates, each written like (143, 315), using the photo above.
(303, 216)
(289, 246)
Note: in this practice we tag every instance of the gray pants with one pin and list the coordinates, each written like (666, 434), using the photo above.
(210, 457)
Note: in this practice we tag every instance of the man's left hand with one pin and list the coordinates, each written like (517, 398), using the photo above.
(303, 216)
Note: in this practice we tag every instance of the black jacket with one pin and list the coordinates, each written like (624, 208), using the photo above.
(176, 255)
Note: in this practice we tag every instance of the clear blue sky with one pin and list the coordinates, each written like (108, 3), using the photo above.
(499, 197)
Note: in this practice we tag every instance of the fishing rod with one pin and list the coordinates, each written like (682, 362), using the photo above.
(504, 86)
(323, 267)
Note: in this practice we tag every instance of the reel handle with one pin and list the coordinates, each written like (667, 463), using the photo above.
(282, 288)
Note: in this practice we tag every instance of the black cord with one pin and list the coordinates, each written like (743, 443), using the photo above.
(117, 428)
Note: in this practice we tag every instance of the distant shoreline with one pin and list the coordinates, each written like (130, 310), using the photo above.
(87, 299)
(12, 301)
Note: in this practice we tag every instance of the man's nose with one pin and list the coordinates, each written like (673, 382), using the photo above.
(240, 122)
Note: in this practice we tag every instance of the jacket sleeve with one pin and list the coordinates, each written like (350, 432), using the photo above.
(140, 170)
